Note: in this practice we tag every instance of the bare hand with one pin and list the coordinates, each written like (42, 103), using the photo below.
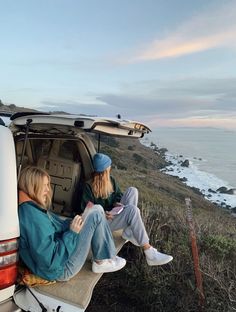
(76, 224)
(89, 204)
(109, 216)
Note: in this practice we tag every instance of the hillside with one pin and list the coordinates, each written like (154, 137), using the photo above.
(162, 202)
(12, 108)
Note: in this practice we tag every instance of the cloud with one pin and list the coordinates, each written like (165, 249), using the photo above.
(175, 114)
(226, 122)
(76, 107)
(179, 97)
(212, 29)
(176, 46)
(175, 98)
(174, 102)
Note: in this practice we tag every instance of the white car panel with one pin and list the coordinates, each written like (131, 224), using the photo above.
(111, 126)
(9, 223)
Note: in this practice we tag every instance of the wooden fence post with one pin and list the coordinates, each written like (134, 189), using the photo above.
(197, 271)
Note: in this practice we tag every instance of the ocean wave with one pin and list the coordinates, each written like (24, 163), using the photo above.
(210, 186)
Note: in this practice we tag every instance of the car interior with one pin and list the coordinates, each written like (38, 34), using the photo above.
(69, 164)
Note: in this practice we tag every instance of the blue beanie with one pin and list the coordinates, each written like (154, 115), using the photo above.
(101, 162)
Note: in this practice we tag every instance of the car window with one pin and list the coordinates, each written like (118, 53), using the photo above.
(42, 147)
(69, 150)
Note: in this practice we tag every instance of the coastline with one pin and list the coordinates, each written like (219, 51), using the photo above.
(210, 149)
(215, 190)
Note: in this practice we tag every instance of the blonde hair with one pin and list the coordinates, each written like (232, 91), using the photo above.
(31, 182)
(101, 185)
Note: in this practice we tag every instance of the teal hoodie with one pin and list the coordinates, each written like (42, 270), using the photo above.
(46, 241)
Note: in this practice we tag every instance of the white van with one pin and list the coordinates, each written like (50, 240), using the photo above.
(61, 144)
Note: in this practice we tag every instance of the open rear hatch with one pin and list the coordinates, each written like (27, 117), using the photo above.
(76, 123)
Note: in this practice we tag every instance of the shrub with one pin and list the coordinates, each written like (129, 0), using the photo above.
(220, 245)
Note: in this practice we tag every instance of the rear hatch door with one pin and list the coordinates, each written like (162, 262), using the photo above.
(77, 123)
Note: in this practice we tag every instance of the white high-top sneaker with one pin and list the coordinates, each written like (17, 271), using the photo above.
(155, 257)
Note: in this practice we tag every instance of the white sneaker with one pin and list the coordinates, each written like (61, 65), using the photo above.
(108, 265)
(155, 257)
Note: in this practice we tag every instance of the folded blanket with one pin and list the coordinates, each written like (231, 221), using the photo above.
(26, 277)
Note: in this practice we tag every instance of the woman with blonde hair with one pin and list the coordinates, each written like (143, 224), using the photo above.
(56, 249)
(121, 209)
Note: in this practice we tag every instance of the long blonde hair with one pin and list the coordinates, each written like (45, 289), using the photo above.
(101, 184)
(31, 182)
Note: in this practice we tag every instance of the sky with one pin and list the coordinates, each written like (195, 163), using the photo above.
(167, 63)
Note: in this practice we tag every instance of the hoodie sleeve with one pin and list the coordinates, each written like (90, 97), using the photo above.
(48, 247)
(61, 224)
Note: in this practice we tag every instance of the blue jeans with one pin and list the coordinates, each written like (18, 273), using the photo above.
(96, 234)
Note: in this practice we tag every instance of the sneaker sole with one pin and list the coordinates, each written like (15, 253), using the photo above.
(152, 263)
(109, 270)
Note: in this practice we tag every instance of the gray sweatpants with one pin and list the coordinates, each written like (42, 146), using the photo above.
(130, 219)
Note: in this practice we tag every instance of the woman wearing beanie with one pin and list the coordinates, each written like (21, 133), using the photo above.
(121, 209)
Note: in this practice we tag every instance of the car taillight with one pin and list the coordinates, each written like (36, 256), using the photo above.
(8, 262)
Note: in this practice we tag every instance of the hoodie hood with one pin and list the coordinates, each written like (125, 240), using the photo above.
(23, 197)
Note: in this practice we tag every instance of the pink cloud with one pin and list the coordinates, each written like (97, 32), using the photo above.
(176, 47)
(221, 122)
(210, 29)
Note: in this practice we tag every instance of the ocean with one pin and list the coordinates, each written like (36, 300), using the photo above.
(211, 153)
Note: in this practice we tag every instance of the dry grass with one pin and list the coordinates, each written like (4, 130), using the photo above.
(172, 287)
